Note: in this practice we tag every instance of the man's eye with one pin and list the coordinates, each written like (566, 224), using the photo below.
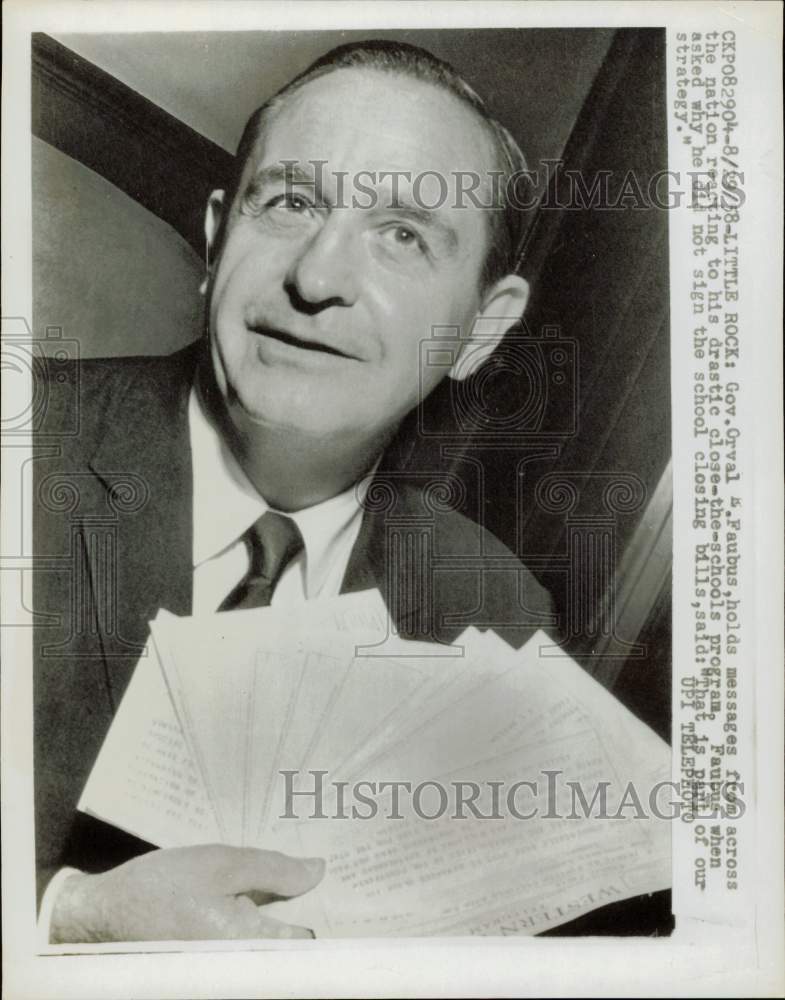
(406, 238)
(290, 203)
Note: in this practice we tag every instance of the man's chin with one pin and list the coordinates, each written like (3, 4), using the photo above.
(274, 413)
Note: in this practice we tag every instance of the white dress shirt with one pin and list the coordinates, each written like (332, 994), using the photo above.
(225, 505)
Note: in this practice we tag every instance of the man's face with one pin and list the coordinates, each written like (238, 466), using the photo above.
(317, 311)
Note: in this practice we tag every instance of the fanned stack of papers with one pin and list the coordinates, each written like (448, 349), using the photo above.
(465, 789)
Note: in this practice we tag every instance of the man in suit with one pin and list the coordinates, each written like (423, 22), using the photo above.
(188, 471)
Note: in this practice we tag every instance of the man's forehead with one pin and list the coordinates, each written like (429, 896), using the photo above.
(361, 119)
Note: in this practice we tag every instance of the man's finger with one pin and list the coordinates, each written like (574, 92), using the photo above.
(254, 872)
(262, 926)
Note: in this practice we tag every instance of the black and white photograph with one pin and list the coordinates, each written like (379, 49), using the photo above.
(382, 553)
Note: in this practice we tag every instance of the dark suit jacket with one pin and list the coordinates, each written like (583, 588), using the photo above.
(113, 524)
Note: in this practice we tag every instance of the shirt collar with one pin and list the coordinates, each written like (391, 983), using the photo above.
(225, 504)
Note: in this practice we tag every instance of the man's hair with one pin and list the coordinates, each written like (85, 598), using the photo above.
(506, 220)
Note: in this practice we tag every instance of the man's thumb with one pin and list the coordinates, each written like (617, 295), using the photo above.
(260, 874)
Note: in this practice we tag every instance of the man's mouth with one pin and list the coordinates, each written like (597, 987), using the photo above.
(292, 341)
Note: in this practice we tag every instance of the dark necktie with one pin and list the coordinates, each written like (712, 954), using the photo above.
(273, 541)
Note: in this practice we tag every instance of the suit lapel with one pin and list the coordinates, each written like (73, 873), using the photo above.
(144, 464)
(392, 553)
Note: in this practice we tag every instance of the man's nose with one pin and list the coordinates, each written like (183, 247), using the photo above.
(324, 273)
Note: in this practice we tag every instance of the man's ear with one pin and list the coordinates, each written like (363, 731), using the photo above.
(502, 306)
(212, 225)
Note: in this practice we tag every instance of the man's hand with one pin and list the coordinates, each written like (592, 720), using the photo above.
(184, 893)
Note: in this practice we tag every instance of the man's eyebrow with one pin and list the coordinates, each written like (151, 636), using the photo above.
(287, 173)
